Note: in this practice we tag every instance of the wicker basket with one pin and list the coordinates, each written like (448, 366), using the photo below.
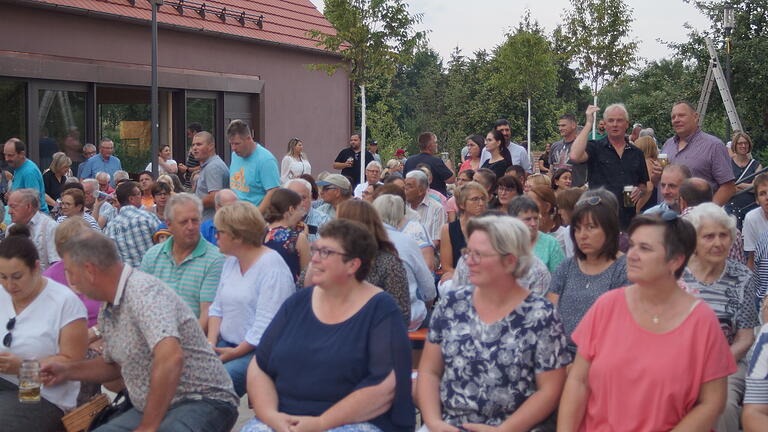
(79, 419)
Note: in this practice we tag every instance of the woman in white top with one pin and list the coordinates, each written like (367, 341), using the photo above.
(255, 281)
(166, 164)
(43, 320)
(295, 162)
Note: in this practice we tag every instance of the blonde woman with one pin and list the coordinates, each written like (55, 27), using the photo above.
(55, 177)
(295, 163)
(651, 153)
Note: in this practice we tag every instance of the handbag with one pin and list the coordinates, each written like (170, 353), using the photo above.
(119, 405)
(80, 418)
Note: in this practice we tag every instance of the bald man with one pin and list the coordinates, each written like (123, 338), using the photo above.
(220, 199)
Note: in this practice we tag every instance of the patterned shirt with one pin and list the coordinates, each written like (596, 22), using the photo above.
(195, 279)
(432, 215)
(536, 279)
(145, 311)
(731, 297)
(87, 217)
(490, 369)
(757, 377)
(761, 267)
(705, 155)
(132, 231)
(314, 221)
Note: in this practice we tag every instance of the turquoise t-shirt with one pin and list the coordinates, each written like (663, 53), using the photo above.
(251, 177)
(28, 176)
(549, 251)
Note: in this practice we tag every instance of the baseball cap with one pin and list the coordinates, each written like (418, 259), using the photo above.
(400, 152)
(337, 180)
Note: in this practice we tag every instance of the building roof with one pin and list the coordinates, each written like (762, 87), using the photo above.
(284, 21)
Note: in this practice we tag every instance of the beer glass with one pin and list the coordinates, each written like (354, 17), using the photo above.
(29, 381)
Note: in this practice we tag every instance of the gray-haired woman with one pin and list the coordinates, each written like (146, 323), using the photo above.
(495, 354)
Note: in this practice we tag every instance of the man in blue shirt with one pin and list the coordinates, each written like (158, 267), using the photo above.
(253, 173)
(104, 161)
(26, 174)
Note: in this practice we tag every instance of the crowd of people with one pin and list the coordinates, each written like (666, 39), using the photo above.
(607, 286)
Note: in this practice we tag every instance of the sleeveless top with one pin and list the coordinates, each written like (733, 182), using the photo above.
(458, 242)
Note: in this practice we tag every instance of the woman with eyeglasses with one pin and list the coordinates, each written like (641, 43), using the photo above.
(596, 268)
(472, 200)
(743, 166)
(729, 288)
(475, 144)
(507, 188)
(295, 162)
(464, 177)
(495, 355)
(42, 320)
(73, 204)
(255, 281)
(650, 356)
(336, 356)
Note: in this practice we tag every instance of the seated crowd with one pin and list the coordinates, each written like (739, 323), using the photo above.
(617, 294)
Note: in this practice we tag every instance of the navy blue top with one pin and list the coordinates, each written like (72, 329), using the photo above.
(315, 365)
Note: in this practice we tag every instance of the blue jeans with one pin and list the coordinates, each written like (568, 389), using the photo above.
(206, 415)
(254, 425)
(237, 368)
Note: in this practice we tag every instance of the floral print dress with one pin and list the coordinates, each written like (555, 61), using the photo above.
(283, 241)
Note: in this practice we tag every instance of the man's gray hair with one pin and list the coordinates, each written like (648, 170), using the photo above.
(121, 175)
(391, 209)
(616, 106)
(103, 175)
(181, 199)
(220, 196)
(89, 147)
(713, 213)
(508, 236)
(29, 196)
(92, 247)
(420, 177)
(300, 181)
(94, 183)
(103, 140)
(373, 164)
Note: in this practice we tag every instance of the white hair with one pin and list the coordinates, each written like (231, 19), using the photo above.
(420, 177)
(220, 196)
(121, 175)
(102, 175)
(180, 199)
(94, 183)
(617, 106)
(508, 236)
(299, 181)
(713, 213)
(390, 208)
(373, 164)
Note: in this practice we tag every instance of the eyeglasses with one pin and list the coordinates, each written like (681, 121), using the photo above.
(593, 201)
(324, 252)
(8, 339)
(471, 256)
(329, 188)
(476, 199)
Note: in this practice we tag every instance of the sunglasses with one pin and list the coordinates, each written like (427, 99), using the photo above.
(8, 339)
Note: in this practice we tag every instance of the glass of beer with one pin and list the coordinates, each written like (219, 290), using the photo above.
(628, 196)
(29, 381)
(663, 160)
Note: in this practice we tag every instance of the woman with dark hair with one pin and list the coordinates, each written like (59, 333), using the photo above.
(549, 222)
(165, 164)
(544, 160)
(500, 159)
(286, 233)
(650, 355)
(475, 144)
(507, 188)
(562, 179)
(597, 266)
(336, 356)
(73, 204)
(43, 320)
(387, 271)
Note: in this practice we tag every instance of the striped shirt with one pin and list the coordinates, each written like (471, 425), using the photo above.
(195, 280)
(88, 218)
(761, 266)
(731, 297)
(757, 376)
(433, 216)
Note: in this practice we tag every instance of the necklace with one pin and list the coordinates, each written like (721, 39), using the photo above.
(655, 317)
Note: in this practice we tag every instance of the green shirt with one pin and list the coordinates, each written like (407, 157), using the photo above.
(195, 280)
(549, 251)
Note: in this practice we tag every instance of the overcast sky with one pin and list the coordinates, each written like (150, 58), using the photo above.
(482, 24)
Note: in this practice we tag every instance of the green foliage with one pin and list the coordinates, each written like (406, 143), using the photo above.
(597, 31)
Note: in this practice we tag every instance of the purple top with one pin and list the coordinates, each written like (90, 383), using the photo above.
(56, 273)
(705, 155)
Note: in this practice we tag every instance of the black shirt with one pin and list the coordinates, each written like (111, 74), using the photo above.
(612, 172)
(53, 186)
(499, 167)
(353, 172)
(440, 172)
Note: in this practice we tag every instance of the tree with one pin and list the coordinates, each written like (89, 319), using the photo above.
(372, 37)
(527, 66)
(598, 32)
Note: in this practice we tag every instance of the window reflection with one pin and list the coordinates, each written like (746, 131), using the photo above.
(62, 123)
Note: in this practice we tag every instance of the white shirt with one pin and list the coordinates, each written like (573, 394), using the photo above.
(292, 168)
(433, 216)
(36, 334)
(43, 230)
(755, 224)
(160, 169)
(518, 153)
(359, 189)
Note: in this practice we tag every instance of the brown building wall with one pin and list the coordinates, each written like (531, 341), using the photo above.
(295, 101)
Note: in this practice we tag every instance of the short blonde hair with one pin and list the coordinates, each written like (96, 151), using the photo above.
(508, 236)
(241, 220)
(66, 230)
(60, 160)
(462, 192)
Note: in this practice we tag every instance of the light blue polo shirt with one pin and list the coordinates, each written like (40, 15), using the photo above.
(250, 178)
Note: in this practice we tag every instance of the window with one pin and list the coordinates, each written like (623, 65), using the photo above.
(61, 116)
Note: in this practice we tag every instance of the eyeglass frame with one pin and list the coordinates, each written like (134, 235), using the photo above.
(468, 255)
(324, 253)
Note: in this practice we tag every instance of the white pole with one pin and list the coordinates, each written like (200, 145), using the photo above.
(363, 146)
(594, 120)
(529, 128)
